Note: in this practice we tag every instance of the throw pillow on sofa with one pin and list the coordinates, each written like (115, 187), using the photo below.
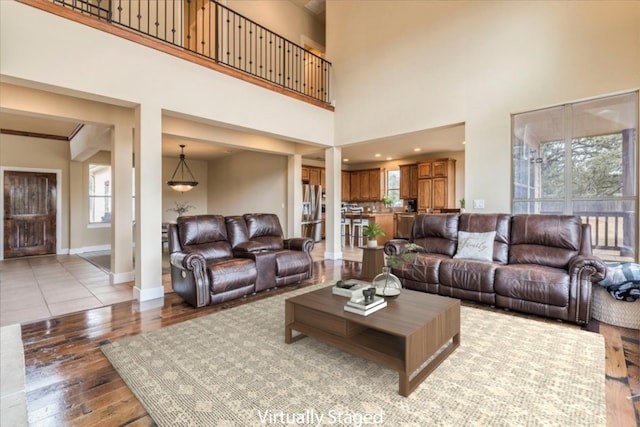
(476, 246)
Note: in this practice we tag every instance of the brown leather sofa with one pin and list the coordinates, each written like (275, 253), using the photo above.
(539, 264)
(216, 258)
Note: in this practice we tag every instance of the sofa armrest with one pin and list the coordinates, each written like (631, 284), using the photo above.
(395, 246)
(304, 244)
(189, 278)
(587, 268)
(584, 270)
(243, 249)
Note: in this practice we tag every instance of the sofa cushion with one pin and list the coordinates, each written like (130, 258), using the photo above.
(550, 240)
(437, 234)
(424, 268)
(536, 283)
(206, 234)
(237, 230)
(469, 275)
(500, 223)
(477, 246)
(230, 274)
(290, 262)
(264, 231)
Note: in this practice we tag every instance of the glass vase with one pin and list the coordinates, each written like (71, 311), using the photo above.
(386, 283)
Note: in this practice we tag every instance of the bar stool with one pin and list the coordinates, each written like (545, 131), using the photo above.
(357, 222)
(345, 226)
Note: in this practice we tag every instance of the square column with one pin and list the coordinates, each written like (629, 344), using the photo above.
(148, 225)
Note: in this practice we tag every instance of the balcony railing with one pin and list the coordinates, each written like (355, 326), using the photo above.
(214, 31)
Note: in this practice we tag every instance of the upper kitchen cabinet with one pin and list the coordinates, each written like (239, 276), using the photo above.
(346, 186)
(408, 182)
(313, 175)
(425, 170)
(436, 184)
(364, 185)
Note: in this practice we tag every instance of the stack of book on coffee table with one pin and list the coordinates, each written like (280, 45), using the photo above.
(359, 307)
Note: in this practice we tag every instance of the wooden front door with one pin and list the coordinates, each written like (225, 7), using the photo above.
(29, 213)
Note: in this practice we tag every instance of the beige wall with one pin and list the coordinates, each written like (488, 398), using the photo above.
(197, 197)
(19, 152)
(283, 18)
(477, 62)
(249, 182)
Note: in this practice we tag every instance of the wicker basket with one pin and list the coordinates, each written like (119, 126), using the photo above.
(609, 310)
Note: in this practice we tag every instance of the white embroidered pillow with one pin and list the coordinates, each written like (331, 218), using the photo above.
(478, 246)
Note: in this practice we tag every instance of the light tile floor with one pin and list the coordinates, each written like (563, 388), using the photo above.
(37, 288)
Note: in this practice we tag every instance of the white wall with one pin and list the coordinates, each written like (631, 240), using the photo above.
(404, 66)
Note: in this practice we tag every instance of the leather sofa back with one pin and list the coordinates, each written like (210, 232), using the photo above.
(237, 230)
(206, 234)
(551, 240)
(436, 233)
(264, 229)
(483, 223)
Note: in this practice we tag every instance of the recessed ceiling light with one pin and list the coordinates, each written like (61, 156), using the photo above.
(389, 158)
(377, 155)
(345, 160)
(464, 142)
(417, 149)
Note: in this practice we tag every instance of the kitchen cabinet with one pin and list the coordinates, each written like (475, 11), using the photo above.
(408, 182)
(314, 176)
(365, 185)
(355, 186)
(362, 186)
(425, 187)
(424, 170)
(375, 184)
(385, 221)
(346, 186)
(437, 191)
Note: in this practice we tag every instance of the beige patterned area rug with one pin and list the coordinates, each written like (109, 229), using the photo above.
(232, 368)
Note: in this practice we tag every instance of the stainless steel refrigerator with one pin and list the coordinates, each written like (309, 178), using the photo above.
(312, 212)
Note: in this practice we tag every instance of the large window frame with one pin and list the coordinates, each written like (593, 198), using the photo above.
(581, 158)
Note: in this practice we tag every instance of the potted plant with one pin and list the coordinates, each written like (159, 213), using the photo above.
(372, 231)
(181, 208)
(462, 204)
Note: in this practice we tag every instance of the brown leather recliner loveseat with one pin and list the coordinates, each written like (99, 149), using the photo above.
(216, 258)
(535, 263)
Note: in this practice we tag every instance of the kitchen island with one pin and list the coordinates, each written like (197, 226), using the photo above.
(383, 219)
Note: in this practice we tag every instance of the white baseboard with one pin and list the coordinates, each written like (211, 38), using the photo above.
(148, 294)
(333, 255)
(129, 276)
(96, 248)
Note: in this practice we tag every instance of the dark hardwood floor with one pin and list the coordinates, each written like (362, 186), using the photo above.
(70, 382)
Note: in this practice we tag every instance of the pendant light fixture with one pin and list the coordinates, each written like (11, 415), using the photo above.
(182, 184)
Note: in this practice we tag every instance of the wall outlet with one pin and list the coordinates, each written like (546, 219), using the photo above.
(478, 204)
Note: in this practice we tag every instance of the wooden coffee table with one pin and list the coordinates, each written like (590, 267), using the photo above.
(402, 336)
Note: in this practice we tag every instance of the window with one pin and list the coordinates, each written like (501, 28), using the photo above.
(99, 194)
(393, 187)
(580, 159)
